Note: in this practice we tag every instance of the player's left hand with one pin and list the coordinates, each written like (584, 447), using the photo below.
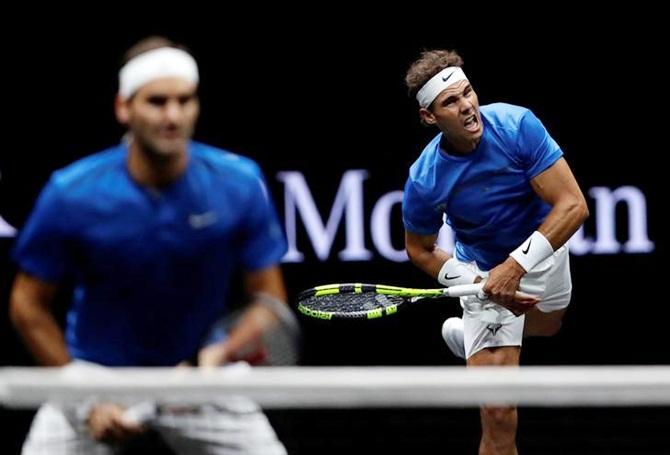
(502, 285)
(213, 355)
(106, 423)
(216, 354)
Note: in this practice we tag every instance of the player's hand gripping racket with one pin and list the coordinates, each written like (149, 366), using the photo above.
(370, 301)
(279, 344)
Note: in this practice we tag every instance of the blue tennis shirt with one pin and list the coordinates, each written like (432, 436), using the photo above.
(486, 195)
(151, 268)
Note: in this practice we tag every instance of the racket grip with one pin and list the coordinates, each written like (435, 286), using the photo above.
(461, 290)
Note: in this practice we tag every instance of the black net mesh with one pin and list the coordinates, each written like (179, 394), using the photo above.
(350, 303)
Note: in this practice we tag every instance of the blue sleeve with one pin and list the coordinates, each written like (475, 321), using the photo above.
(537, 149)
(43, 247)
(418, 216)
(264, 243)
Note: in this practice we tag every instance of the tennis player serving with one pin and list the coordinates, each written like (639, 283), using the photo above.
(502, 184)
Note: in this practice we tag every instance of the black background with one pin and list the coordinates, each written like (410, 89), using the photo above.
(325, 95)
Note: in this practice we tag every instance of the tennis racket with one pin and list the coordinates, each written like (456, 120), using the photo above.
(370, 301)
(278, 345)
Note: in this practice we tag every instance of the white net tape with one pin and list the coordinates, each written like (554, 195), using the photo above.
(344, 387)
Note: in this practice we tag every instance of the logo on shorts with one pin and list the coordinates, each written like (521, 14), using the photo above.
(493, 328)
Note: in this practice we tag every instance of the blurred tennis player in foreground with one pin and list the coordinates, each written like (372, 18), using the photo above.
(512, 202)
(151, 232)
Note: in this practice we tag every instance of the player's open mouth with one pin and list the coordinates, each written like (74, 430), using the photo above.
(471, 123)
(171, 134)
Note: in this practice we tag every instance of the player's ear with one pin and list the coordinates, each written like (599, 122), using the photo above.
(121, 109)
(427, 117)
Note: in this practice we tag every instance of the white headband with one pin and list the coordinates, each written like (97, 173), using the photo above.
(156, 64)
(436, 84)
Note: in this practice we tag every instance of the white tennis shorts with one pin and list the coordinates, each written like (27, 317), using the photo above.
(229, 425)
(487, 324)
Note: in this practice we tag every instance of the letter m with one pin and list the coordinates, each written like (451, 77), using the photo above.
(348, 204)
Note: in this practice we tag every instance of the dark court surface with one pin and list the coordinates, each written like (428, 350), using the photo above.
(638, 430)
(425, 431)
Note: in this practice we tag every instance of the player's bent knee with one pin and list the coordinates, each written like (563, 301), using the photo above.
(548, 328)
(553, 328)
(543, 324)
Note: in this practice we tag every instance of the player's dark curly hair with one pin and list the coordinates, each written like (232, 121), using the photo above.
(428, 65)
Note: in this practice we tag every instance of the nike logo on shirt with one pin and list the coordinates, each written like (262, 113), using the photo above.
(202, 220)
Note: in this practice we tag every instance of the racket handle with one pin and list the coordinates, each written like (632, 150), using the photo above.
(461, 290)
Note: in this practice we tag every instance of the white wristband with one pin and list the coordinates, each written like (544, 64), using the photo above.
(455, 272)
(534, 250)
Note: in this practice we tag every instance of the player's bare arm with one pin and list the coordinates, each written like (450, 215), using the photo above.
(558, 187)
(266, 288)
(30, 311)
(424, 252)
